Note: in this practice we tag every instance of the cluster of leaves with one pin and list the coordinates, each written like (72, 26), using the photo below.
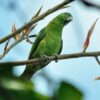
(16, 88)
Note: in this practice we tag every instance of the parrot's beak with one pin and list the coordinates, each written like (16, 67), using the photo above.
(68, 20)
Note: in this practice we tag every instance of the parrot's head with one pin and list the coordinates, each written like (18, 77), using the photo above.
(67, 17)
(64, 18)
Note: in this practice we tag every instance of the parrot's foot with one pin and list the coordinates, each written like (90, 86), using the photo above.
(56, 57)
(46, 58)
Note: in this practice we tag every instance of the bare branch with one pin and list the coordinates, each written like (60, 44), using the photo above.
(10, 47)
(97, 59)
(14, 44)
(5, 48)
(38, 12)
(22, 37)
(90, 4)
(51, 58)
(48, 12)
(97, 78)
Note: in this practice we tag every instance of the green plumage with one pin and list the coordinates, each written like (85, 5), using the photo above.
(48, 42)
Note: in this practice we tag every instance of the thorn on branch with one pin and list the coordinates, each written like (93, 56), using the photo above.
(37, 13)
(64, 7)
(16, 37)
(90, 31)
(27, 31)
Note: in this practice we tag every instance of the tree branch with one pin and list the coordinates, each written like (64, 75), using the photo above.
(10, 47)
(90, 4)
(38, 61)
(14, 44)
(38, 18)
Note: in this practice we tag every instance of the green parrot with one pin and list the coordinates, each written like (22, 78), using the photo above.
(48, 42)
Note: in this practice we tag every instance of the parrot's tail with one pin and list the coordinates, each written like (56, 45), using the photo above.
(31, 70)
(28, 72)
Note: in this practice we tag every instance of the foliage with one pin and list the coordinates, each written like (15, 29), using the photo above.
(16, 88)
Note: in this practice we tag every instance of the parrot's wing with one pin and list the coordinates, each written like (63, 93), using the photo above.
(40, 36)
(61, 47)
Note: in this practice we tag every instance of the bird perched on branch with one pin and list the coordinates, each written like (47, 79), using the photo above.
(48, 42)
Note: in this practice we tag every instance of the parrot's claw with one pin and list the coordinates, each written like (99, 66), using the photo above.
(46, 58)
(56, 57)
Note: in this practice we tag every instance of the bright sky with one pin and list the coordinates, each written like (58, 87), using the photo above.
(82, 71)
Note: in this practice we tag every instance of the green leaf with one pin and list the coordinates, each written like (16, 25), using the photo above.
(6, 71)
(16, 84)
(27, 95)
(19, 89)
(68, 92)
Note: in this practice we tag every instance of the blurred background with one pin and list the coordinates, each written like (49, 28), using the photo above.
(80, 72)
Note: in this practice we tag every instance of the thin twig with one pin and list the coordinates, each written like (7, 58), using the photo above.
(90, 4)
(14, 44)
(30, 29)
(10, 47)
(97, 59)
(21, 38)
(29, 41)
(48, 12)
(38, 61)
(38, 12)
(6, 45)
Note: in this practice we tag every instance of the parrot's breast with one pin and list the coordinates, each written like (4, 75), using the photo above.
(53, 45)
